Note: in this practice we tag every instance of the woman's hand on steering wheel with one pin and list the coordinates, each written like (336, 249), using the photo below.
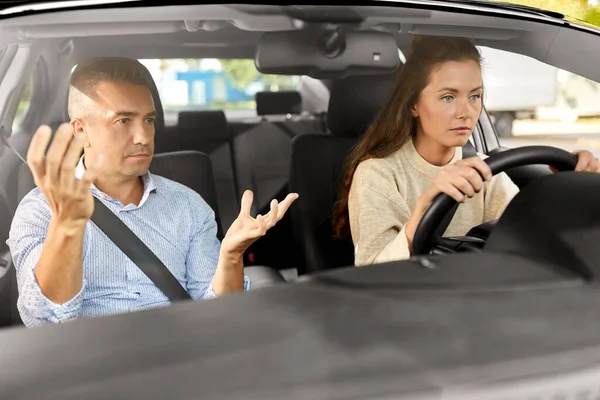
(585, 162)
(423, 237)
(459, 180)
(462, 179)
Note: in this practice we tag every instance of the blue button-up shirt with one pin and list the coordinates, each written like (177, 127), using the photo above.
(171, 219)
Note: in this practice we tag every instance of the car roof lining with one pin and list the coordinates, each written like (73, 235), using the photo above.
(233, 31)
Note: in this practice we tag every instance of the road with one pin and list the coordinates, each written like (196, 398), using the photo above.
(589, 142)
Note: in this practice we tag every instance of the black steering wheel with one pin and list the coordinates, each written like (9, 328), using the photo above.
(425, 240)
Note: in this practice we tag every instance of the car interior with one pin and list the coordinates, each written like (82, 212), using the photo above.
(283, 148)
(298, 141)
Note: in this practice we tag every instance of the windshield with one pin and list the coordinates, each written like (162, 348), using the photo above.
(586, 10)
(213, 84)
(267, 159)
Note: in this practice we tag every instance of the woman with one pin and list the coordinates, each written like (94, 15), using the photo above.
(412, 152)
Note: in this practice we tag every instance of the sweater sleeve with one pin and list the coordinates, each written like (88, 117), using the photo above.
(378, 213)
(499, 192)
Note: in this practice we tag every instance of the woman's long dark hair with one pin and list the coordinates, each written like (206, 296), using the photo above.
(395, 123)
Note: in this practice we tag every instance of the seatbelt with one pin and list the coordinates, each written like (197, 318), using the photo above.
(281, 125)
(130, 244)
(468, 151)
(137, 251)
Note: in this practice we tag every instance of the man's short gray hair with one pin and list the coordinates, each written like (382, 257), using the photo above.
(88, 74)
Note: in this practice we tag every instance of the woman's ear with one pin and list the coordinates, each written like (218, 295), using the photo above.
(414, 111)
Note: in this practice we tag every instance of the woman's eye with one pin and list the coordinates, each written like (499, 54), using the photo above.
(475, 97)
(447, 98)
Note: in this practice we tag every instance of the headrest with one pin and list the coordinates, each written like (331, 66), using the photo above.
(355, 102)
(278, 103)
(159, 122)
(203, 125)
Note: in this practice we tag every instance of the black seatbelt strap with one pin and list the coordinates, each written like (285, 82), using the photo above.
(130, 244)
(137, 251)
(281, 125)
(468, 151)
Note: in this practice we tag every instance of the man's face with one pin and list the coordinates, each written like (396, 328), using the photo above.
(120, 126)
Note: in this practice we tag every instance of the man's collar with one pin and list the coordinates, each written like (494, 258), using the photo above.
(80, 169)
(147, 180)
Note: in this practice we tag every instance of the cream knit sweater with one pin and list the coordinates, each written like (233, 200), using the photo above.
(384, 192)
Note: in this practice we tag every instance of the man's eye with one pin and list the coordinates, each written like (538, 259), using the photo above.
(123, 121)
(150, 120)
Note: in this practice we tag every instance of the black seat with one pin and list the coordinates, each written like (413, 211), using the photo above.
(194, 170)
(7, 285)
(316, 166)
(208, 132)
(262, 147)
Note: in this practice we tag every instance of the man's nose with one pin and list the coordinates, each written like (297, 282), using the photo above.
(143, 133)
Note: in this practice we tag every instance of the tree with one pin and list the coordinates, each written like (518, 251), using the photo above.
(241, 72)
(585, 10)
(279, 82)
(592, 16)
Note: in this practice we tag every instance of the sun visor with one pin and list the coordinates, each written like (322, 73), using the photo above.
(327, 54)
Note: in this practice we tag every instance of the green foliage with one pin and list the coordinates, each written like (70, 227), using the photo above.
(579, 9)
(242, 72)
(592, 16)
(278, 82)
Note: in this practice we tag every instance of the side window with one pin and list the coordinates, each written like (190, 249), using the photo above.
(24, 103)
(532, 103)
(212, 84)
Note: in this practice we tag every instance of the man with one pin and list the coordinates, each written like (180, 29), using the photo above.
(66, 267)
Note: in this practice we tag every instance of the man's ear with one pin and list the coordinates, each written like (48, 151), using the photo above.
(78, 128)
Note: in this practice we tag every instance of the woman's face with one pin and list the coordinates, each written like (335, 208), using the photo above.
(449, 106)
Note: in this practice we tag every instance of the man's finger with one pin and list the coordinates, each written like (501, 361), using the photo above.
(273, 214)
(91, 172)
(86, 182)
(67, 170)
(56, 152)
(36, 152)
(262, 225)
(247, 199)
(73, 153)
(285, 204)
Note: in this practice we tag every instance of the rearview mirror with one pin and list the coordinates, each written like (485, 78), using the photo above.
(327, 53)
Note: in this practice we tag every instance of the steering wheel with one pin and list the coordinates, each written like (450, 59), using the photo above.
(425, 240)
